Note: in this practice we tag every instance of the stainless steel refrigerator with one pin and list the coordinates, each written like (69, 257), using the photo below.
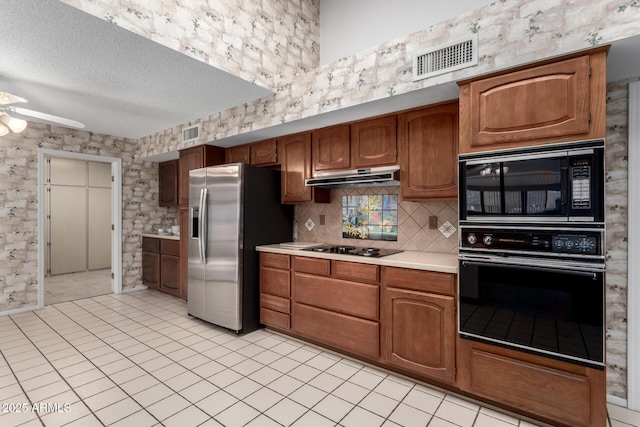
(233, 208)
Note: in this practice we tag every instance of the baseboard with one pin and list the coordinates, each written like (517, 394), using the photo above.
(134, 289)
(20, 310)
(615, 400)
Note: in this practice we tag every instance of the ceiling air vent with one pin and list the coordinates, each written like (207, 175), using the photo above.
(442, 59)
(191, 133)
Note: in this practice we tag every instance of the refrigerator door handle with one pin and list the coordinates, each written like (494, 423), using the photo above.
(202, 243)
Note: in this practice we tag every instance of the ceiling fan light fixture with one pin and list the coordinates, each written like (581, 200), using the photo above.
(3, 130)
(8, 98)
(16, 125)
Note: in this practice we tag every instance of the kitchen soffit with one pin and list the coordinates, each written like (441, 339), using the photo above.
(124, 85)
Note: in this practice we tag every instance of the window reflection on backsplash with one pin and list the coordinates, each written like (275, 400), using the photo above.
(371, 217)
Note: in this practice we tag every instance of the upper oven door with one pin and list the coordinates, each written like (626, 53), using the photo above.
(533, 186)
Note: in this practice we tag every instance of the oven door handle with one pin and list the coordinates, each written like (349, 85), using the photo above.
(577, 270)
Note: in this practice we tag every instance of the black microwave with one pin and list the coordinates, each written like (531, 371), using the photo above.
(542, 184)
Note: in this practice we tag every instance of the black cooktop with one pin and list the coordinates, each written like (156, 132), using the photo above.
(352, 250)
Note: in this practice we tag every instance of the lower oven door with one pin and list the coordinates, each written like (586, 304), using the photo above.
(550, 308)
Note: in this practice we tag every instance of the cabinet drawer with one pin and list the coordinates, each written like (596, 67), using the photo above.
(150, 244)
(419, 280)
(353, 270)
(312, 265)
(275, 319)
(274, 260)
(272, 302)
(344, 332)
(355, 299)
(170, 247)
(275, 282)
(572, 398)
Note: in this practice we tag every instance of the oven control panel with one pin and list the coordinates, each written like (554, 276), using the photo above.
(569, 241)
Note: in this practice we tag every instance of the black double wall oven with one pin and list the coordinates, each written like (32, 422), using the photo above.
(532, 250)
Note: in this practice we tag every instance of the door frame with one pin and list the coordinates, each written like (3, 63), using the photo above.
(633, 270)
(116, 215)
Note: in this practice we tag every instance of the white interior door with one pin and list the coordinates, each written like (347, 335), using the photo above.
(99, 215)
(68, 229)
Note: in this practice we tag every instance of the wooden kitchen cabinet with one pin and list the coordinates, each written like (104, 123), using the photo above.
(238, 154)
(264, 153)
(161, 264)
(419, 324)
(561, 393)
(563, 100)
(374, 142)
(275, 290)
(330, 148)
(428, 145)
(195, 158)
(168, 183)
(342, 313)
(296, 167)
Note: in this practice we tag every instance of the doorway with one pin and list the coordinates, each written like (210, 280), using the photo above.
(80, 221)
(77, 229)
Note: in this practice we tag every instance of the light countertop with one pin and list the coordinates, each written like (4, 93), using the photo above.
(431, 261)
(161, 236)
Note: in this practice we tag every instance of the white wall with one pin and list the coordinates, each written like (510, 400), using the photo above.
(350, 26)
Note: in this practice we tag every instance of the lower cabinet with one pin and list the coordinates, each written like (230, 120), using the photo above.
(275, 290)
(161, 264)
(420, 333)
(559, 392)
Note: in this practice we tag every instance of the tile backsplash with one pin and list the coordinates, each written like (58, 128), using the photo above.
(414, 233)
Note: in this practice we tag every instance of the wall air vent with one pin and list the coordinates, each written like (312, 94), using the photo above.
(442, 59)
(191, 133)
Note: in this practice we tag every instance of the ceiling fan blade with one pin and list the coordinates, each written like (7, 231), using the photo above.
(8, 98)
(46, 117)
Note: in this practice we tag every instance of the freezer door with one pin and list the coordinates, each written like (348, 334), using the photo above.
(223, 281)
(196, 263)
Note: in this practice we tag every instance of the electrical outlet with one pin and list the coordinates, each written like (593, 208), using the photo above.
(433, 222)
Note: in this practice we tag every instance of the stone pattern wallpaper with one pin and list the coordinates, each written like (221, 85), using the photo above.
(413, 223)
(265, 42)
(510, 33)
(19, 205)
(617, 167)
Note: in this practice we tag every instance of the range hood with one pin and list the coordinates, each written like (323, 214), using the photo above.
(369, 177)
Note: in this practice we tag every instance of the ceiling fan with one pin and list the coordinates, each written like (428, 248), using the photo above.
(10, 120)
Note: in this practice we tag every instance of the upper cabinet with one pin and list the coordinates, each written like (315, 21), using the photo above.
(296, 167)
(238, 154)
(559, 101)
(373, 142)
(168, 183)
(195, 158)
(330, 148)
(428, 145)
(264, 153)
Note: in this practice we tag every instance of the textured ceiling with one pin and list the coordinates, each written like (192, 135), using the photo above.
(68, 63)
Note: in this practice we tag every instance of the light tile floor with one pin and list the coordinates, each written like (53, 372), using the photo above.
(74, 286)
(139, 360)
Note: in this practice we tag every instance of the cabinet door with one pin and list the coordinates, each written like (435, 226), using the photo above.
(373, 142)
(296, 167)
(192, 158)
(330, 148)
(195, 158)
(428, 142)
(264, 153)
(420, 333)
(170, 274)
(561, 101)
(151, 269)
(238, 154)
(168, 183)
